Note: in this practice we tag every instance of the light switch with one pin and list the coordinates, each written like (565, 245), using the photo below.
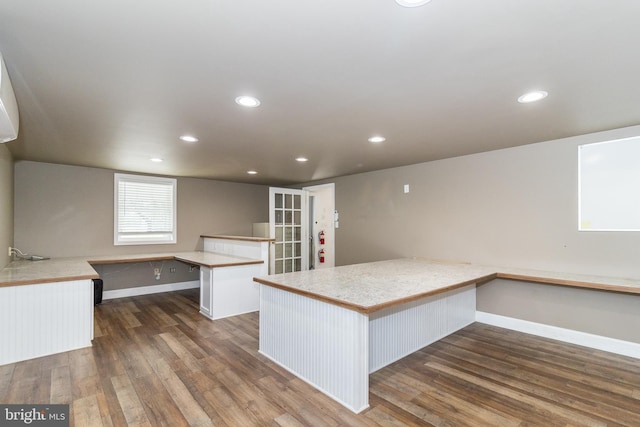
(406, 188)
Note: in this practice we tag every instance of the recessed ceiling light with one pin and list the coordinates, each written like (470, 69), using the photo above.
(252, 172)
(156, 159)
(189, 138)
(534, 96)
(376, 139)
(247, 101)
(412, 3)
(302, 159)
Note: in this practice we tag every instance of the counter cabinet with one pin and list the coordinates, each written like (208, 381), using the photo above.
(229, 291)
(46, 318)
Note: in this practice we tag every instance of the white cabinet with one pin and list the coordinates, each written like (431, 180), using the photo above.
(226, 282)
(229, 290)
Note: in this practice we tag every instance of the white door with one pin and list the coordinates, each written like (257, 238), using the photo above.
(289, 226)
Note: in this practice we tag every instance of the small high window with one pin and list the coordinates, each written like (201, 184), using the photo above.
(145, 210)
(609, 185)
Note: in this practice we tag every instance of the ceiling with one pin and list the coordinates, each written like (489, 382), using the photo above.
(111, 84)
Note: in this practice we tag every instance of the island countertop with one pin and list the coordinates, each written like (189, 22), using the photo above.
(370, 287)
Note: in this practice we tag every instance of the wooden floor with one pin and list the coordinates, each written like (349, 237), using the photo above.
(156, 361)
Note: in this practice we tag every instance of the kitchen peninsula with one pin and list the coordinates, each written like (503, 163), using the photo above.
(333, 327)
(46, 306)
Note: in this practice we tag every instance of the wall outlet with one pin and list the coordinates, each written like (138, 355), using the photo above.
(172, 269)
(156, 271)
(9, 250)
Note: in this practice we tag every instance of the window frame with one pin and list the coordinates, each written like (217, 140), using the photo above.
(142, 238)
(613, 191)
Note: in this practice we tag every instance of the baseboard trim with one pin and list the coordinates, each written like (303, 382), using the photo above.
(146, 290)
(598, 342)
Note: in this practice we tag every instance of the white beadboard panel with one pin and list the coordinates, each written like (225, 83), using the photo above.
(323, 344)
(241, 248)
(401, 330)
(461, 308)
(44, 319)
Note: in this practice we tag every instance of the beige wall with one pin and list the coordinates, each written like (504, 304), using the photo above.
(515, 207)
(596, 312)
(137, 274)
(6, 204)
(65, 211)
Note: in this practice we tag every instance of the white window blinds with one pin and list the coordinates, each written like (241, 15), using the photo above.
(145, 210)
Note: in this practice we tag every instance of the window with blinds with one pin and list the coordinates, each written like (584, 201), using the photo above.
(145, 210)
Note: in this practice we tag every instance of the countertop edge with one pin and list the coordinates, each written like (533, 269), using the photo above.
(124, 259)
(570, 283)
(219, 265)
(48, 280)
(145, 258)
(240, 238)
(549, 278)
(377, 307)
(313, 295)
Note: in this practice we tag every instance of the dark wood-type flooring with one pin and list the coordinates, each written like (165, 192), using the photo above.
(156, 361)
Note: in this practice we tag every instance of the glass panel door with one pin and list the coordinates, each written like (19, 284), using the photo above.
(288, 224)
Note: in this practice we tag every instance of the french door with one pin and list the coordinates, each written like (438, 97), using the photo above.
(289, 226)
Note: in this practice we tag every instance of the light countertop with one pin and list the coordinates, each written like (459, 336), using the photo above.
(203, 259)
(240, 238)
(615, 284)
(370, 287)
(214, 260)
(23, 272)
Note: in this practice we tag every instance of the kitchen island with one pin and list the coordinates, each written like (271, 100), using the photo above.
(333, 327)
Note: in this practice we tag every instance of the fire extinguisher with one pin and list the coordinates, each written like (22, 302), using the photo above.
(321, 256)
(321, 237)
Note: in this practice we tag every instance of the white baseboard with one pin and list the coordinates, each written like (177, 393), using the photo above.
(598, 342)
(153, 289)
